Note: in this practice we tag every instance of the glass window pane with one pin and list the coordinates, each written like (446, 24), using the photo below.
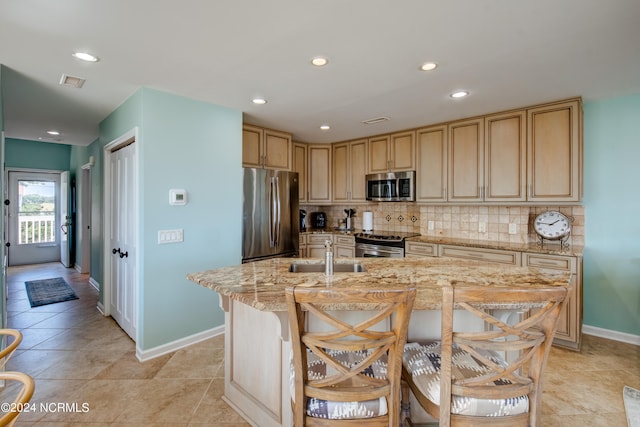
(37, 211)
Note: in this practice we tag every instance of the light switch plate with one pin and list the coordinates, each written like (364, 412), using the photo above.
(482, 227)
(430, 225)
(170, 236)
(513, 228)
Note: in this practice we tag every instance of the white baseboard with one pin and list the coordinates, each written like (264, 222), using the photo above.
(612, 335)
(95, 284)
(144, 355)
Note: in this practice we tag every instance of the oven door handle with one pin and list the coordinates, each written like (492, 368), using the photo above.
(363, 249)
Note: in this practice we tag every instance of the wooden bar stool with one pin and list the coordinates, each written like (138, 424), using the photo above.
(348, 374)
(491, 377)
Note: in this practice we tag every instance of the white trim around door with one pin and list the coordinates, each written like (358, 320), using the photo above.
(121, 264)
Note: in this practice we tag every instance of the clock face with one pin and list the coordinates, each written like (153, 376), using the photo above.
(552, 225)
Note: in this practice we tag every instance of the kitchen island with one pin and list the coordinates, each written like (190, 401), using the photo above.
(257, 347)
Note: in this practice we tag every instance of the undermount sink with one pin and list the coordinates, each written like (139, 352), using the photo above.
(320, 268)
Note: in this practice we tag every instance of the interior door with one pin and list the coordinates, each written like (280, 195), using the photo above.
(123, 301)
(64, 219)
(34, 203)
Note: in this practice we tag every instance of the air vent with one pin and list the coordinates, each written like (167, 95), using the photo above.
(76, 82)
(376, 120)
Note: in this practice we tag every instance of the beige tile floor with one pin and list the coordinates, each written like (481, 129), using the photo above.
(78, 356)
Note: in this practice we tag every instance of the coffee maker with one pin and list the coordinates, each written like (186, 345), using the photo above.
(303, 220)
(318, 219)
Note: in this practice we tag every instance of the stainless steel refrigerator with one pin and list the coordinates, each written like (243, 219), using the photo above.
(270, 213)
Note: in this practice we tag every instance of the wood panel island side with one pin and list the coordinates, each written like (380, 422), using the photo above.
(257, 346)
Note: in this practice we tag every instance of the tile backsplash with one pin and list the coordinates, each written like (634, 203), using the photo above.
(455, 221)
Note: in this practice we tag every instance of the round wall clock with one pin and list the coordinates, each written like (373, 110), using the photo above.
(552, 225)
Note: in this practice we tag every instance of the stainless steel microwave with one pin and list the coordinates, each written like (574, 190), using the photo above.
(391, 187)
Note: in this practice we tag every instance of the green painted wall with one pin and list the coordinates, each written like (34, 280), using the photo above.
(195, 146)
(612, 212)
(26, 154)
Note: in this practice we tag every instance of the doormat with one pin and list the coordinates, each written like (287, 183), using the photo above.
(49, 291)
(632, 405)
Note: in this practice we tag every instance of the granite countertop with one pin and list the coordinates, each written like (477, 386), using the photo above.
(551, 248)
(261, 284)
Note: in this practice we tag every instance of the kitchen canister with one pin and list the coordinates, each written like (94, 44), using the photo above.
(367, 221)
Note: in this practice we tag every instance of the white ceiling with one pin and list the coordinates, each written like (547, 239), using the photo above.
(506, 53)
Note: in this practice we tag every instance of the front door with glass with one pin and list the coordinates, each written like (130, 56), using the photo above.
(34, 229)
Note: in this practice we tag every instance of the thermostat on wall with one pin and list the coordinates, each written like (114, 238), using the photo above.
(177, 197)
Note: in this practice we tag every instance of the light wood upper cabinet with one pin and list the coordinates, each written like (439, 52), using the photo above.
(431, 164)
(403, 151)
(252, 137)
(395, 152)
(319, 173)
(554, 133)
(265, 148)
(466, 161)
(358, 169)
(505, 157)
(529, 155)
(341, 172)
(300, 166)
(349, 170)
(379, 154)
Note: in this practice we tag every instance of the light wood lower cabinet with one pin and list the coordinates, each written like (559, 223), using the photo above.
(480, 254)
(313, 245)
(569, 327)
(316, 244)
(420, 249)
(344, 246)
(302, 246)
(569, 330)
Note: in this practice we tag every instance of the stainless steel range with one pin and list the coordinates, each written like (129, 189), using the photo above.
(381, 245)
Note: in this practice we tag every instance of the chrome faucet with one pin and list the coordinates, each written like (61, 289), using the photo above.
(328, 258)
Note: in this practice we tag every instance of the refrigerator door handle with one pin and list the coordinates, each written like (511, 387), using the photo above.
(278, 212)
(272, 213)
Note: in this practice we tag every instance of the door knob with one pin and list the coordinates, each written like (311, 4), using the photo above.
(124, 254)
(115, 251)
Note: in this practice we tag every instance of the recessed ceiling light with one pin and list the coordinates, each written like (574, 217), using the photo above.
(459, 94)
(84, 56)
(259, 101)
(319, 61)
(429, 66)
(53, 132)
(325, 127)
